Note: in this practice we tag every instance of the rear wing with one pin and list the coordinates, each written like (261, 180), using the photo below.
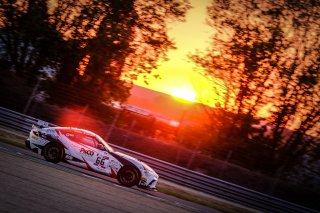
(40, 124)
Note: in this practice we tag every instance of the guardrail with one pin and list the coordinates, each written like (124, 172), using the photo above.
(228, 191)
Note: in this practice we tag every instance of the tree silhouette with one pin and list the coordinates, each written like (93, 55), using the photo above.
(267, 54)
(27, 40)
(97, 46)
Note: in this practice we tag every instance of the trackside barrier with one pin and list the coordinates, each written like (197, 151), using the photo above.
(22, 123)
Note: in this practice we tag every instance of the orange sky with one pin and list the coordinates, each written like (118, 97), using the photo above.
(178, 75)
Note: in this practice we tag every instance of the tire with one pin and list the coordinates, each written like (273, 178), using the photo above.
(53, 152)
(27, 143)
(128, 176)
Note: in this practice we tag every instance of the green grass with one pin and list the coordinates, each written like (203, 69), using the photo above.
(12, 139)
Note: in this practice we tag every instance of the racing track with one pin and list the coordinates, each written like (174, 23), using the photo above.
(21, 123)
(30, 184)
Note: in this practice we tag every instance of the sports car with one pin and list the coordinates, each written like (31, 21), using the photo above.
(86, 149)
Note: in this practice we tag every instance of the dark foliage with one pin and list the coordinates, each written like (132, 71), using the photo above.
(96, 46)
(267, 55)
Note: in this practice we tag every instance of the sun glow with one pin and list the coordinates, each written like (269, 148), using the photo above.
(185, 94)
(178, 75)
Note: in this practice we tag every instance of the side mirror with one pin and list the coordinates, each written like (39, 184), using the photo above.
(101, 147)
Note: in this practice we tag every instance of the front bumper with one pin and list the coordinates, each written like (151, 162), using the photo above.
(148, 183)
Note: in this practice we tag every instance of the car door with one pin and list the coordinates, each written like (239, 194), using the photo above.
(80, 149)
(94, 156)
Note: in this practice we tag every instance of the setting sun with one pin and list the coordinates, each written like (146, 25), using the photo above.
(178, 75)
(185, 94)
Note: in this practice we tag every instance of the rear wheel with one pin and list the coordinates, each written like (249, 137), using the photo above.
(53, 152)
(128, 176)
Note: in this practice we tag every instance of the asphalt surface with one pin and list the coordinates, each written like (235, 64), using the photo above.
(30, 184)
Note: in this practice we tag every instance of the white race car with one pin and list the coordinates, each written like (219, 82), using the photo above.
(87, 150)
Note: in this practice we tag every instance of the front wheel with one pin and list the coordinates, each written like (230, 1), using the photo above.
(53, 152)
(128, 176)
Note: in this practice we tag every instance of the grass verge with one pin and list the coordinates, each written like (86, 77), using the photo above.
(202, 198)
(11, 138)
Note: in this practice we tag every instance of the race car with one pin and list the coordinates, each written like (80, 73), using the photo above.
(86, 149)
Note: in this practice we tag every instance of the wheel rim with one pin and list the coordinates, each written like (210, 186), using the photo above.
(128, 177)
(53, 153)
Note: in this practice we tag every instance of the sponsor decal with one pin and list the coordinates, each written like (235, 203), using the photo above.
(34, 138)
(69, 135)
(114, 164)
(122, 160)
(87, 152)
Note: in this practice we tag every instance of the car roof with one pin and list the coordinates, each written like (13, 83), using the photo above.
(73, 129)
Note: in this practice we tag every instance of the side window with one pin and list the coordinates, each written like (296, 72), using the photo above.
(81, 138)
(86, 140)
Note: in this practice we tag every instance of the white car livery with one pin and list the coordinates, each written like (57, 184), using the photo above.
(85, 149)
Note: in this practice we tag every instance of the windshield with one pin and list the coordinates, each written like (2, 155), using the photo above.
(108, 148)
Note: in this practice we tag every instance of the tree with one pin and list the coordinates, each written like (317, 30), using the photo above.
(267, 54)
(27, 40)
(242, 47)
(297, 97)
(102, 46)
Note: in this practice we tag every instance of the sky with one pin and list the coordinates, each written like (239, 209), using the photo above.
(179, 76)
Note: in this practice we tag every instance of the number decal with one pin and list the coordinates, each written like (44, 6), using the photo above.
(100, 161)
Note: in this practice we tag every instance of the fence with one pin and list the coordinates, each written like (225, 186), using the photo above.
(228, 191)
